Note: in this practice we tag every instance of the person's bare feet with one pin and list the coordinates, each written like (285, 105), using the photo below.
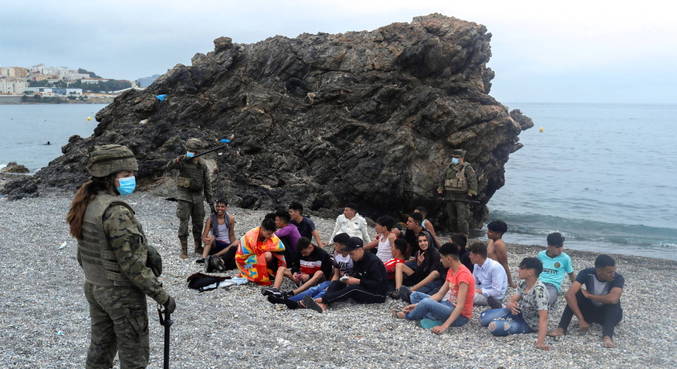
(608, 342)
(398, 314)
(557, 332)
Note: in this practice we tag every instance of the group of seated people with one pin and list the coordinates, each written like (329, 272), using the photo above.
(439, 282)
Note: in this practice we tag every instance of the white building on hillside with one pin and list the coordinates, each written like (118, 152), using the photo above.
(12, 86)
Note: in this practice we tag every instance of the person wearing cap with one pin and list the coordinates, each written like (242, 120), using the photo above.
(459, 186)
(193, 187)
(120, 268)
(556, 264)
(366, 283)
(352, 223)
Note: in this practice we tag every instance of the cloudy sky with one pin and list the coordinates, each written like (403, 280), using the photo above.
(543, 51)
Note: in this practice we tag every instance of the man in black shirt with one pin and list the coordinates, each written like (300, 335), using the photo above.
(599, 302)
(366, 283)
(305, 226)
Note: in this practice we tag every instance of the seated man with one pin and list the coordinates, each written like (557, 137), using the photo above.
(452, 305)
(304, 224)
(425, 223)
(422, 273)
(366, 284)
(414, 229)
(555, 265)
(382, 244)
(398, 251)
(599, 302)
(260, 253)
(218, 236)
(461, 240)
(496, 248)
(491, 282)
(289, 235)
(314, 266)
(527, 310)
(342, 266)
(352, 223)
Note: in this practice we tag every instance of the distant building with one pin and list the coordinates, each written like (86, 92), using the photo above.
(92, 81)
(42, 91)
(13, 72)
(74, 91)
(12, 86)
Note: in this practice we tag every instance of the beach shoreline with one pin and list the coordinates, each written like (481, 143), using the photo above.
(45, 316)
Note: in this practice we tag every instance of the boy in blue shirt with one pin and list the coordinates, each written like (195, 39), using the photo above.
(555, 265)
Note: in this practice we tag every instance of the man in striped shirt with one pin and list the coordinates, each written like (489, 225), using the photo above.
(314, 267)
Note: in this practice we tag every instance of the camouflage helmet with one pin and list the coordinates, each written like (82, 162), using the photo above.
(458, 152)
(105, 160)
(194, 144)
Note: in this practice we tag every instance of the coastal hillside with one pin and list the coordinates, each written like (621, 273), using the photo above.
(369, 117)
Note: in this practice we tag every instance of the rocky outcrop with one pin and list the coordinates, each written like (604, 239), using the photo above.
(365, 117)
(13, 167)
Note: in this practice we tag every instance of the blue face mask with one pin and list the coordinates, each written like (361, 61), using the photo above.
(190, 154)
(127, 185)
(455, 161)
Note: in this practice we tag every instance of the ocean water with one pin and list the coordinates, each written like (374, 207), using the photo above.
(25, 129)
(604, 175)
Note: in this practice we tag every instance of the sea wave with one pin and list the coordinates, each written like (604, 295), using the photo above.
(589, 230)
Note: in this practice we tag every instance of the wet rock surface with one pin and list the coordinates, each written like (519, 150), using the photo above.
(364, 117)
(13, 167)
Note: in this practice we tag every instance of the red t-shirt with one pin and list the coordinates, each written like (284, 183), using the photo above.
(462, 275)
(390, 267)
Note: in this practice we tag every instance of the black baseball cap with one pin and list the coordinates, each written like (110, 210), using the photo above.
(354, 243)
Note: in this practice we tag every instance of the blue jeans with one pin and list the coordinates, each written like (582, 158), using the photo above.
(427, 308)
(315, 292)
(505, 322)
(432, 287)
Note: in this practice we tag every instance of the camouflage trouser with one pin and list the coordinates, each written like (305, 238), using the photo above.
(119, 325)
(195, 211)
(457, 216)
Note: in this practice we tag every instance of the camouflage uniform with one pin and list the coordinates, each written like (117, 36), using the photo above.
(460, 182)
(113, 255)
(193, 187)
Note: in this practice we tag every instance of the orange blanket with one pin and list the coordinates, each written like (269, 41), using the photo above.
(250, 260)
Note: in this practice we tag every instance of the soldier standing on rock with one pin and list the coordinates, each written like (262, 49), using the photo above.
(120, 268)
(459, 186)
(193, 187)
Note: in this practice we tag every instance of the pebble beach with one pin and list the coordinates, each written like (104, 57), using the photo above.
(44, 318)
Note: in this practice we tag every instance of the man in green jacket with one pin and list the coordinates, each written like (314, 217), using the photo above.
(193, 187)
(459, 186)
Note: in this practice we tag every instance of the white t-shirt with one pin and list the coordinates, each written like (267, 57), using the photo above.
(345, 264)
(384, 252)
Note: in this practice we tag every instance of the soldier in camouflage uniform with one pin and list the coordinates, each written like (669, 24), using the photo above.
(193, 187)
(459, 186)
(120, 268)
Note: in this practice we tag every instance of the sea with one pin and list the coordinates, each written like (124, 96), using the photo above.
(604, 175)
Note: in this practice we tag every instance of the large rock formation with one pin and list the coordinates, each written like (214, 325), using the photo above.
(365, 117)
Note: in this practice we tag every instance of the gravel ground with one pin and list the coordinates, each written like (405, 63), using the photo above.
(44, 320)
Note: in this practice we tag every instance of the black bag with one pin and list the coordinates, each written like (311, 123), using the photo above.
(198, 281)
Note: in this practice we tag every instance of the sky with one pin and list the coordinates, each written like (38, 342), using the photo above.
(594, 51)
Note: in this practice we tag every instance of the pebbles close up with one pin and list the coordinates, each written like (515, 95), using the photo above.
(44, 318)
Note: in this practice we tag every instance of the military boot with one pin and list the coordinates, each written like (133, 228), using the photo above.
(184, 247)
(198, 244)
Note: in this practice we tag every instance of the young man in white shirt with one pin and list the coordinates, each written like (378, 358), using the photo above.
(352, 223)
(491, 282)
